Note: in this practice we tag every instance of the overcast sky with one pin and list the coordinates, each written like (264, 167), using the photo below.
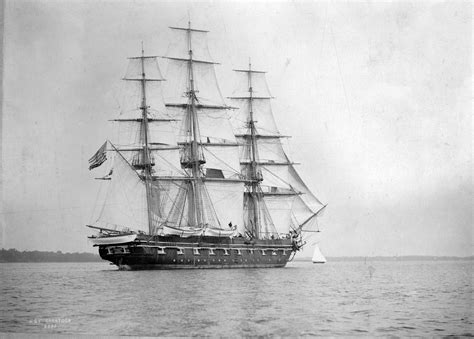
(376, 96)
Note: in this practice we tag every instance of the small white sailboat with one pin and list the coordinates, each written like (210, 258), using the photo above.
(318, 257)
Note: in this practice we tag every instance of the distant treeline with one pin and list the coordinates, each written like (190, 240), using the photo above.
(400, 258)
(12, 255)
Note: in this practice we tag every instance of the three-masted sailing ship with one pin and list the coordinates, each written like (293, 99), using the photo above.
(192, 181)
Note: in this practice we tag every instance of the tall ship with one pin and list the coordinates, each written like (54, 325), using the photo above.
(192, 181)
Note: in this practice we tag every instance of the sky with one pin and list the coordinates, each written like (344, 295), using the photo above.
(376, 96)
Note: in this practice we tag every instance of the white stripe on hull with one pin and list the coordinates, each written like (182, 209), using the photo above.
(111, 240)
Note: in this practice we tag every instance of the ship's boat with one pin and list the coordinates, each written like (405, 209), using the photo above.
(112, 239)
(194, 181)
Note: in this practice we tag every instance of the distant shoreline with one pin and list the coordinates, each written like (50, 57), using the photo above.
(397, 258)
(13, 255)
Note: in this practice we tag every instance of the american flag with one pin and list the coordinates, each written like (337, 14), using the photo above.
(98, 158)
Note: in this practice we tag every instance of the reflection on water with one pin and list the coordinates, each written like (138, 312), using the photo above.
(340, 298)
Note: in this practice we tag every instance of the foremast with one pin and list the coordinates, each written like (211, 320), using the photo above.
(146, 162)
(132, 201)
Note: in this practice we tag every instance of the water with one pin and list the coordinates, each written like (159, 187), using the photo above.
(430, 298)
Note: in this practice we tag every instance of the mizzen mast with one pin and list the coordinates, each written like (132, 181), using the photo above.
(276, 199)
(252, 172)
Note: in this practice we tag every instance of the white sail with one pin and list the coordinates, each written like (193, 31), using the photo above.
(205, 82)
(147, 65)
(318, 257)
(166, 163)
(269, 150)
(214, 125)
(307, 197)
(131, 94)
(224, 159)
(183, 38)
(265, 122)
(256, 79)
(227, 198)
(125, 206)
(280, 208)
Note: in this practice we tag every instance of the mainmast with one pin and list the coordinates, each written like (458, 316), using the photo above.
(147, 164)
(255, 178)
(209, 153)
(195, 161)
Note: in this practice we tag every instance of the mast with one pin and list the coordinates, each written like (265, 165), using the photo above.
(146, 152)
(209, 153)
(255, 179)
(144, 128)
(275, 199)
(195, 204)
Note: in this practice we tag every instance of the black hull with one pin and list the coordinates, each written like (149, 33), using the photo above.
(173, 252)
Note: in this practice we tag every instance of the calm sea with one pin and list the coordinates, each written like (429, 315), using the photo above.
(378, 298)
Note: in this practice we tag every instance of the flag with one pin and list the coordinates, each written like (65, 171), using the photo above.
(98, 158)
